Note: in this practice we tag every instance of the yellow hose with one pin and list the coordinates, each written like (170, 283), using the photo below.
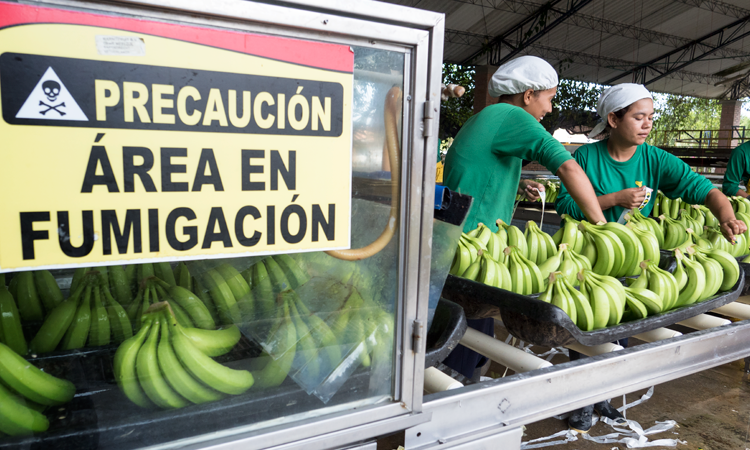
(392, 113)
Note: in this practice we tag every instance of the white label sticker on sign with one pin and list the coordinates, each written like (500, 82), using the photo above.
(120, 45)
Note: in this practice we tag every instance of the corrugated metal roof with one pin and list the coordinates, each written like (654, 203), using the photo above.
(607, 38)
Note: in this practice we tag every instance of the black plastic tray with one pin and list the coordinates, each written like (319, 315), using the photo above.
(541, 323)
(99, 416)
(448, 327)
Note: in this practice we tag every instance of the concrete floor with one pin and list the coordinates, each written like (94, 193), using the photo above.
(711, 408)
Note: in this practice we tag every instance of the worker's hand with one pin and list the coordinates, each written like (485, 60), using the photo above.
(732, 227)
(631, 198)
(528, 188)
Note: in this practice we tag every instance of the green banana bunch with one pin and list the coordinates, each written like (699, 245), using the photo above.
(493, 273)
(213, 342)
(740, 246)
(657, 204)
(649, 242)
(674, 232)
(461, 260)
(163, 271)
(634, 252)
(717, 240)
(150, 377)
(182, 276)
(283, 343)
(473, 244)
(222, 296)
(26, 296)
(515, 237)
(713, 270)
(552, 264)
(571, 235)
(691, 223)
(496, 244)
(570, 264)
(90, 316)
(613, 295)
(729, 266)
(293, 272)
(563, 295)
(698, 240)
(482, 234)
(192, 305)
(120, 285)
(24, 391)
(610, 251)
(161, 367)
(27, 380)
(18, 417)
(740, 204)
(11, 333)
(540, 244)
(647, 223)
(47, 289)
(695, 280)
(525, 276)
(263, 295)
(745, 217)
(662, 283)
(177, 376)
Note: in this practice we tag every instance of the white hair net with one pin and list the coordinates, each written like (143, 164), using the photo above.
(616, 98)
(522, 74)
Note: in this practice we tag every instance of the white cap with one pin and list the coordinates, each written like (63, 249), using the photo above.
(522, 74)
(616, 98)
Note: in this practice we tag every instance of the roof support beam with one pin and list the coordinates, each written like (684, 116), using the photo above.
(529, 30)
(687, 54)
(528, 7)
(718, 6)
(739, 89)
(551, 53)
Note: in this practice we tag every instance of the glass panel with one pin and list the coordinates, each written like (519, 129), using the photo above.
(143, 354)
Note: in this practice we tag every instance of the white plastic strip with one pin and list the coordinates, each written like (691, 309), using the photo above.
(630, 433)
(543, 197)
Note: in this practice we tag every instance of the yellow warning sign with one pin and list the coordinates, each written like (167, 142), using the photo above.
(133, 140)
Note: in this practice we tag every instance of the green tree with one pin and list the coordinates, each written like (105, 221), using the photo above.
(678, 112)
(454, 112)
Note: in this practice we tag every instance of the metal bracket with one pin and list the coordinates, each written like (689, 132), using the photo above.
(429, 114)
(417, 335)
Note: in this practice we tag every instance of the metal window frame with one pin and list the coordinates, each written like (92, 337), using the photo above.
(419, 35)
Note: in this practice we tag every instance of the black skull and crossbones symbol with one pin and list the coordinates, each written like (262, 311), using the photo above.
(51, 89)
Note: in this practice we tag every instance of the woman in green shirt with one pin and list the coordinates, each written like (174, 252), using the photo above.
(485, 159)
(738, 171)
(621, 166)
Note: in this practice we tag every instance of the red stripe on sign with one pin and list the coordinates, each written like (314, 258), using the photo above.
(312, 54)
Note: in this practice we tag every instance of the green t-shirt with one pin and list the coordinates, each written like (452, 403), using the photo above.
(485, 158)
(738, 169)
(650, 166)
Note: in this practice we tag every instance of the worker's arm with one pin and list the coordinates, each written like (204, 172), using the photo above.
(580, 189)
(719, 205)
